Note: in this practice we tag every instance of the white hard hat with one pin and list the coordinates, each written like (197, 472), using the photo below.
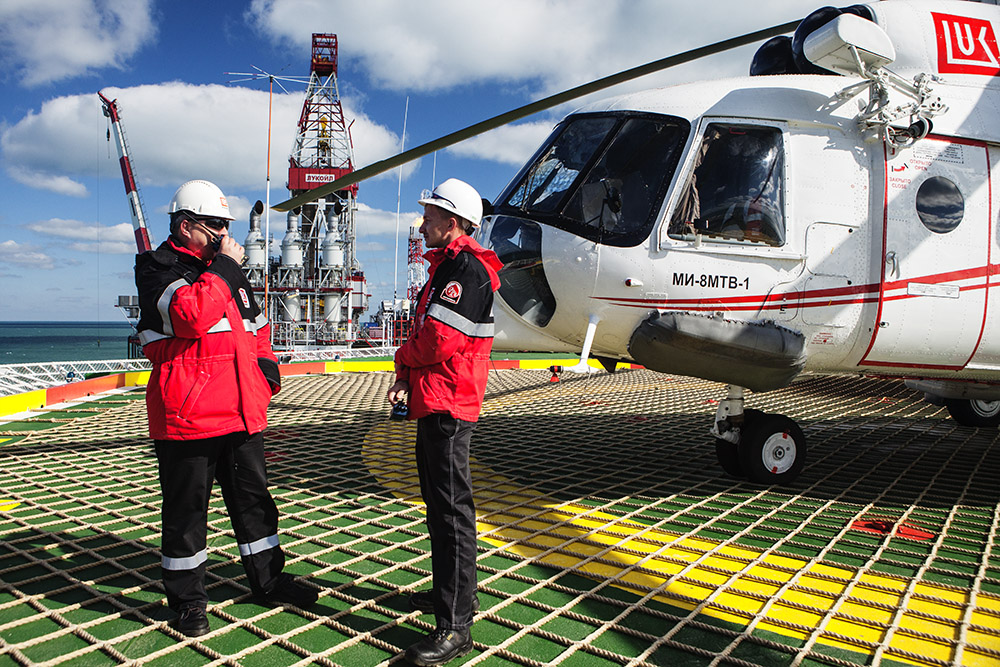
(456, 197)
(201, 198)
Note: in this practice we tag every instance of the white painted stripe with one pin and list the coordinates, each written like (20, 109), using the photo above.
(258, 546)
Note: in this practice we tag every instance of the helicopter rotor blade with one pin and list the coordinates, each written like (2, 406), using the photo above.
(382, 166)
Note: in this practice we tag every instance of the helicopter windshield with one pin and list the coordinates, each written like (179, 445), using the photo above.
(601, 176)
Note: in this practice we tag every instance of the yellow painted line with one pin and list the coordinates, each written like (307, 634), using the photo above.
(8, 505)
(691, 569)
(136, 378)
(31, 400)
(361, 366)
(540, 364)
(357, 366)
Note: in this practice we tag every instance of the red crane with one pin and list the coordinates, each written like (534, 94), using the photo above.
(131, 188)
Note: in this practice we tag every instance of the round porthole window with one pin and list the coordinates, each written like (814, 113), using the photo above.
(940, 205)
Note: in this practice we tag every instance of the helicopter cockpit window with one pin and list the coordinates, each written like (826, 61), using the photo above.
(602, 177)
(545, 187)
(735, 192)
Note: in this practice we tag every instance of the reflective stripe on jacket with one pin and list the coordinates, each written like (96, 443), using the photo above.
(213, 369)
(446, 358)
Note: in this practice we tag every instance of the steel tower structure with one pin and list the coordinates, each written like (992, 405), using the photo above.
(317, 289)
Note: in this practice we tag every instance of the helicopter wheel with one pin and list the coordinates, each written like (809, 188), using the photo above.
(728, 454)
(772, 449)
(973, 412)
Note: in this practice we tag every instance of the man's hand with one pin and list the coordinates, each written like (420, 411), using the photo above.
(230, 248)
(398, 392)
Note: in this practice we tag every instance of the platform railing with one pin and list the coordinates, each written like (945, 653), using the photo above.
(21, 378)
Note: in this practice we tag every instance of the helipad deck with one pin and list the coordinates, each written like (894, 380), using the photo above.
(608, 535)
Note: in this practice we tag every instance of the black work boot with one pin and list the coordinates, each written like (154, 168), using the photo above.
(423, 601)
(192, 622)
(287, 589)
(439, 647)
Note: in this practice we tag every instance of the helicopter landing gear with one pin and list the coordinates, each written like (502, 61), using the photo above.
(971, 412)
(764, 448)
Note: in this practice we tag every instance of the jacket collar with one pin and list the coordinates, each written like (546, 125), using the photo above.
(467, 244)
(184, 252)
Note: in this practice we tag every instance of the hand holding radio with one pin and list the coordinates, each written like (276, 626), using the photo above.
(229, 247)
(397, 395)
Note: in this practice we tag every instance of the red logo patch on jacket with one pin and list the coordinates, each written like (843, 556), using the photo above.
(452, 292)
(245, 298)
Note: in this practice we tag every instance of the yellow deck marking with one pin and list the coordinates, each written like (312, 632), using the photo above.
(8, 505)
(692, 569)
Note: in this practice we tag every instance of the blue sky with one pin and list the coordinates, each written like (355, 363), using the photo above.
(66, 245)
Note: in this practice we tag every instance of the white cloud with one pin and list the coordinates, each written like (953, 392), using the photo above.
(550, 46)
(374, 222)
(63, 185)
(104, 247)
(81, 231)
(22, 254)
(88, 238)
(175, 131)
(511, 144)
(45, 41)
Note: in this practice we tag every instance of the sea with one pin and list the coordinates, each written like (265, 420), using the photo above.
(35, 342)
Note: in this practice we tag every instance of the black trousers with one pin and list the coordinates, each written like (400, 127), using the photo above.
(446, 487)
(187, 470)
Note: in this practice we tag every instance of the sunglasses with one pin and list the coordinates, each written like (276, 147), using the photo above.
(216, 224)
(432, 195)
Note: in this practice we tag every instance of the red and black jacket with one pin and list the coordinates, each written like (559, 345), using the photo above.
(213, 369)
(446, 358)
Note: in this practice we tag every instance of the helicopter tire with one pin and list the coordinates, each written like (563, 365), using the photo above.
(728, 454)
(974, 412)
(772, 449)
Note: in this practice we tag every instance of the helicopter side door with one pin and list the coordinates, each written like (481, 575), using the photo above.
(932, 292)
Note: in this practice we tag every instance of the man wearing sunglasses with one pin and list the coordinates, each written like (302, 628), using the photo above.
(213, 376)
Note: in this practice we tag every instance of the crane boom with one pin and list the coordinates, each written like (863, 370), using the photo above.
(142, 241)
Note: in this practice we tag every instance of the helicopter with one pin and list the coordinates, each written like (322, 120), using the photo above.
(832, 212)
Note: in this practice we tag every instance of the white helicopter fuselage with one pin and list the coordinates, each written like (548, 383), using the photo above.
(888, 257)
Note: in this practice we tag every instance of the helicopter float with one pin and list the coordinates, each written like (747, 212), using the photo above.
(834, 212)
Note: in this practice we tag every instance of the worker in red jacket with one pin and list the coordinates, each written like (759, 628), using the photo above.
(213, 376)
(442, 370)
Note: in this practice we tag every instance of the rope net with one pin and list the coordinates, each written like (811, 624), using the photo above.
(607, 533)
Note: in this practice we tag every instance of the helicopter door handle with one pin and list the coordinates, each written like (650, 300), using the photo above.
(890, 258)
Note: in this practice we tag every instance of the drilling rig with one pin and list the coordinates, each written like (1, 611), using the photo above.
(316, 290)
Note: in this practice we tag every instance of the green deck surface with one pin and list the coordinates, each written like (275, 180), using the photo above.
(79, 522)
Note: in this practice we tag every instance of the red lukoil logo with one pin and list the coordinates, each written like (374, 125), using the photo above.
(966, 45)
